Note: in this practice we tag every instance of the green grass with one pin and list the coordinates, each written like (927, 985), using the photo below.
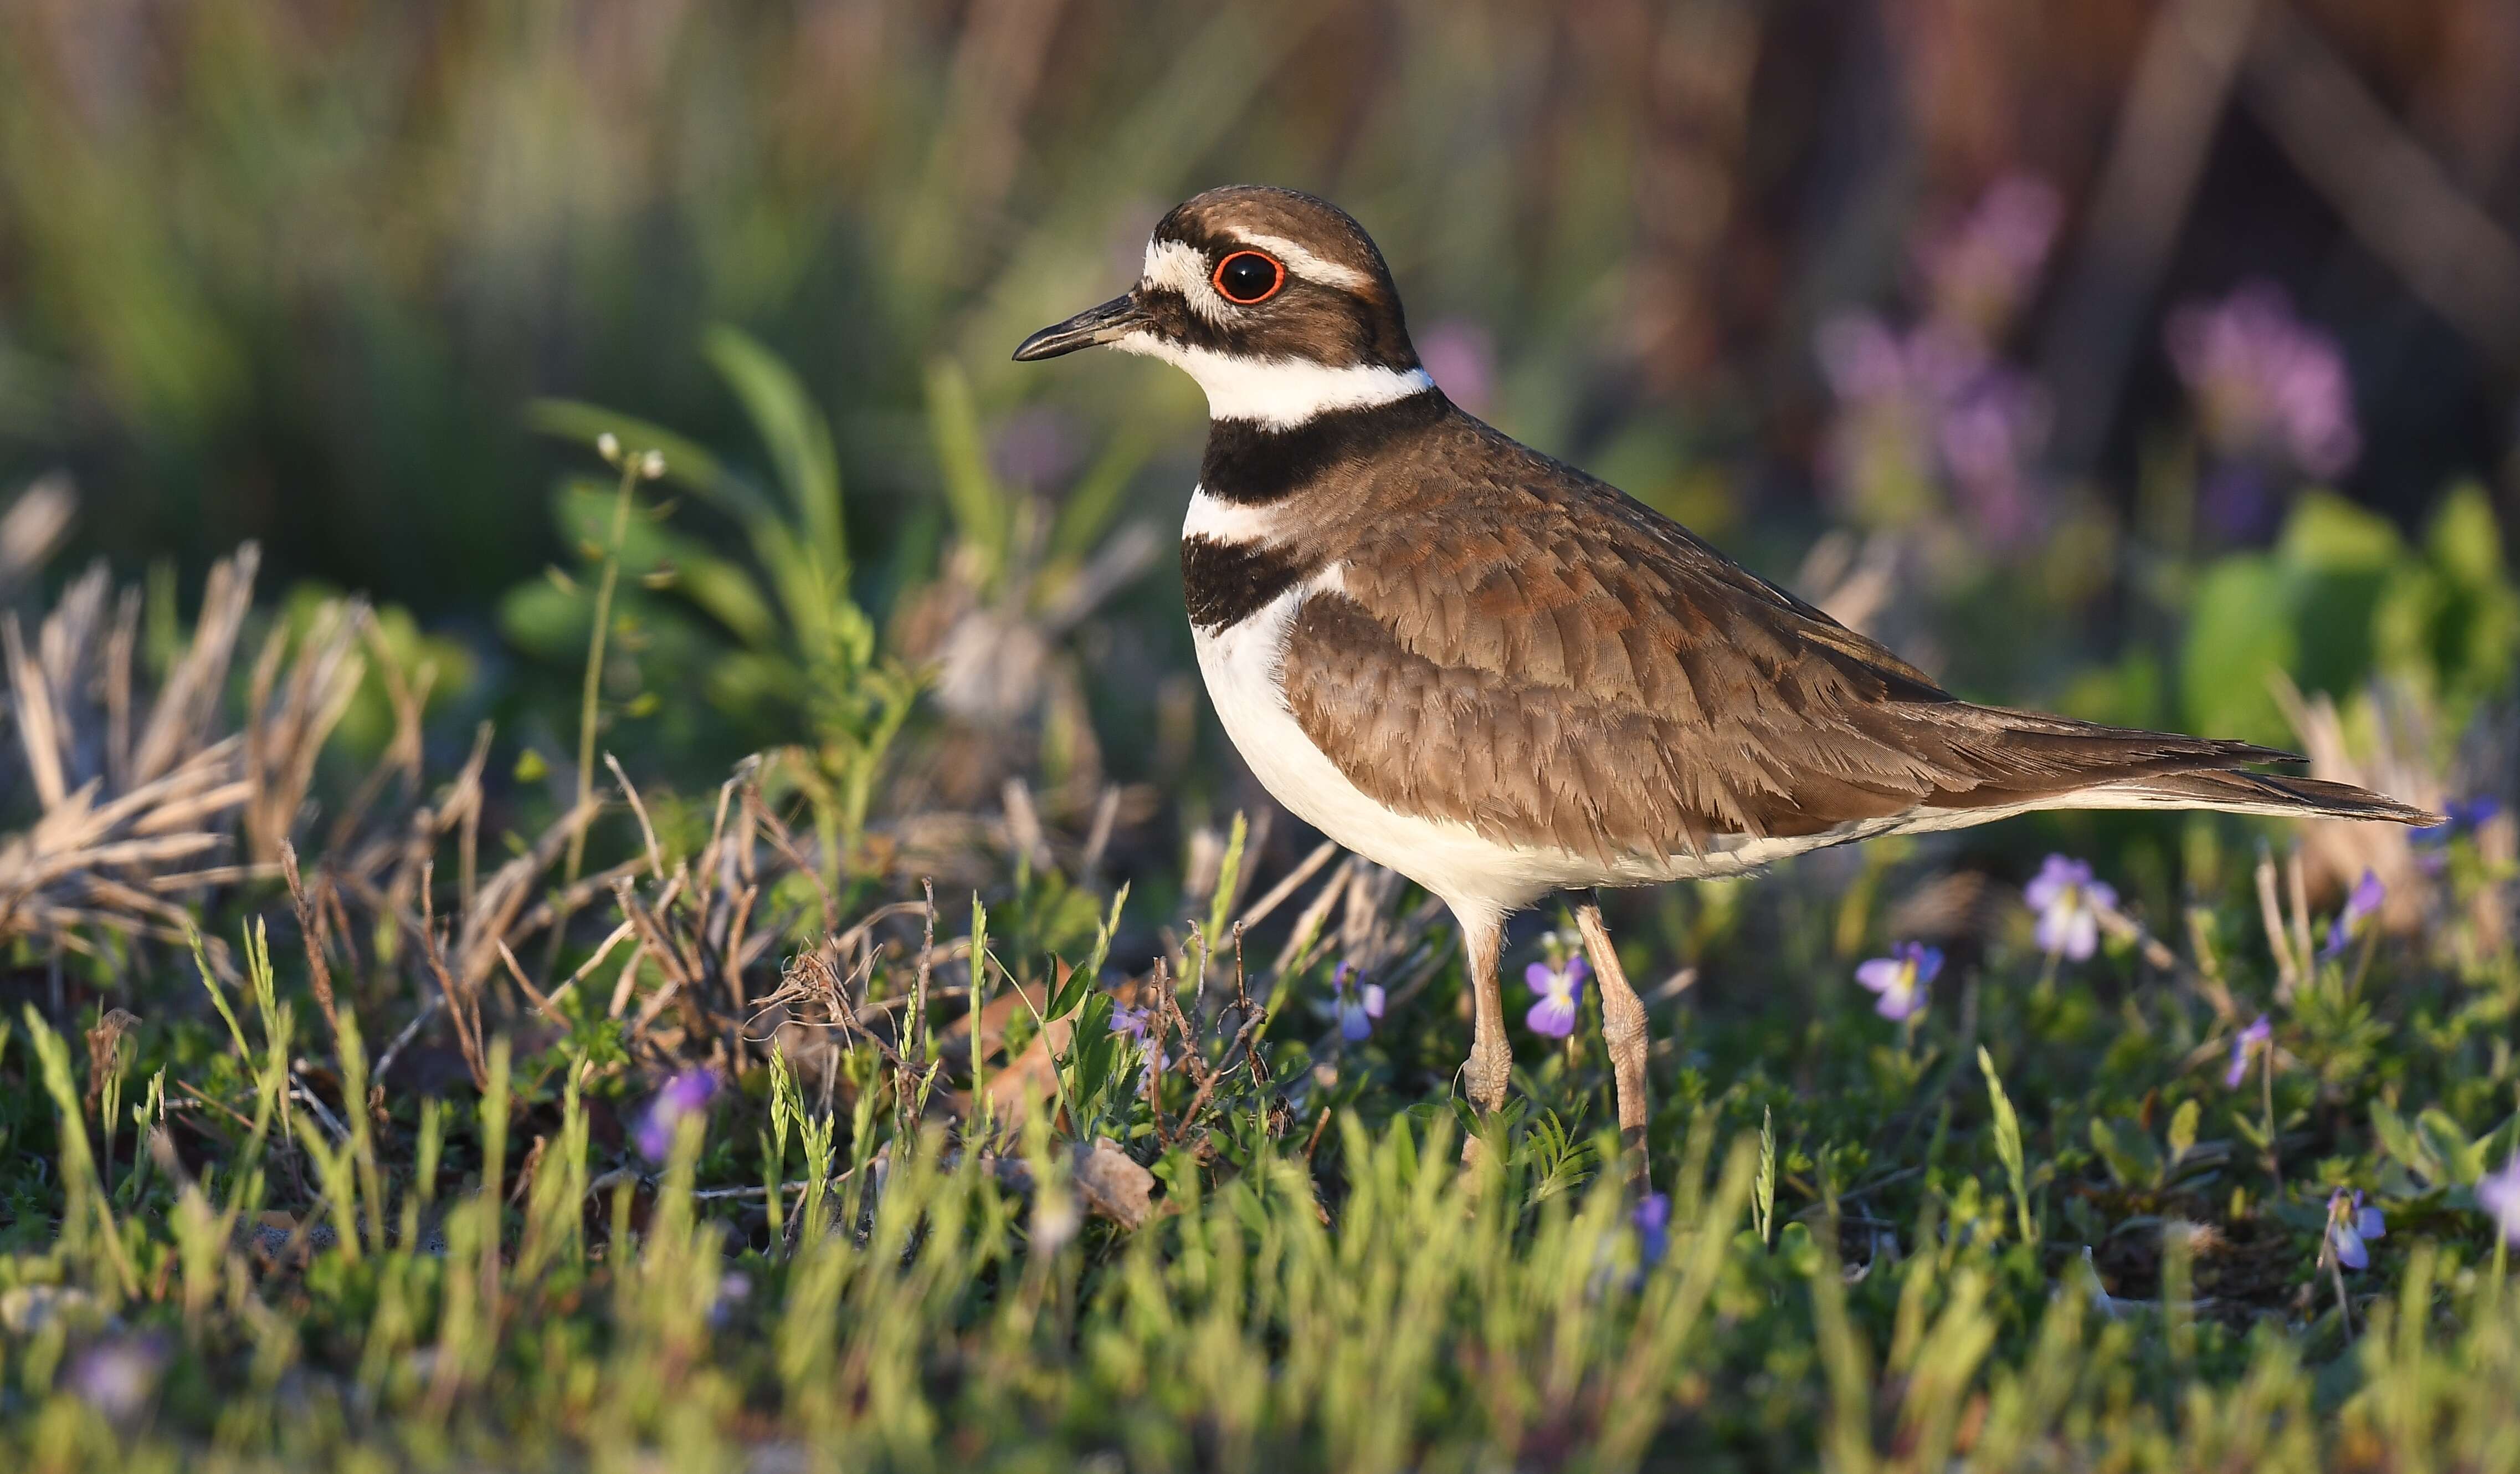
(349, 282)
(1888, 1247)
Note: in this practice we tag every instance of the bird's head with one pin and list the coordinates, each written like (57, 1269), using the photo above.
(1276, 303)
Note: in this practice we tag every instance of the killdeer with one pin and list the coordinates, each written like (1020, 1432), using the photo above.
(1502, 678)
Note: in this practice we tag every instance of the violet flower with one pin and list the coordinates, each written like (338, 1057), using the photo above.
(1138, 1024)
(2269, 387)
(1358, 1006)
(2350, 1229)
(2069, 903)
(2462, 817)
(119, 1376)
(1979, 271)
(1901, 977)
(1928, 408)
(2246, 1047)
(1559, 990)
(734, 1288)
(2498, 1195)
(685, 1094)
(2361, 905)
(1652, 1218)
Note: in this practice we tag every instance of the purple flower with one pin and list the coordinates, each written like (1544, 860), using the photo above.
(1461, 357)
(1979, 271)
(734, 1288)
(2359, 905)
(2069, 903)
(685, 1094)
(2463, 816)
(1991, 435)
(2350, 1227)
(2268, 387)
(1358, 1007)
(1559, 990)
(1928, 409)
(2246, 1047)
(1901, 977)
(1138, 1024)
(1652, 1218)
(2498, 1193)
(117, 1376)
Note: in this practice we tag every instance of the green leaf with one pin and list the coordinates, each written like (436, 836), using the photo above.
(793, 429)
(1090, 503)
(2466, 541)
(2182, 1131)
(2327, 534)
(727, 595)
(2461, 1163)
(2007, 1142)
(2401, 1143)
(1228, 877)
(2132, 1157)
(2238, 633)
(982, 513)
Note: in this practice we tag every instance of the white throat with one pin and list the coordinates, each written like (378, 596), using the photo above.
(1279, 392)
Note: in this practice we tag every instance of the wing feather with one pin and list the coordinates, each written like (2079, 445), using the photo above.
(1561, 664)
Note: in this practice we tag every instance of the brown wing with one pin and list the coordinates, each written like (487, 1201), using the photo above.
(1560, 664)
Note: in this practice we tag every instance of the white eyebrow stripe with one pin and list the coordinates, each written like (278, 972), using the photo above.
(1180, 266)
(1307, 266)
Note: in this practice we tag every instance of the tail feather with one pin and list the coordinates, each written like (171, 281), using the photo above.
(2239, 790)
(2023, 760)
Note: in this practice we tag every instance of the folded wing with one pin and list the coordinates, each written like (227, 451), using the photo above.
(1565, 667)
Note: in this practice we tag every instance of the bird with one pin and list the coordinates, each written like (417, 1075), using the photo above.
(1504, 678)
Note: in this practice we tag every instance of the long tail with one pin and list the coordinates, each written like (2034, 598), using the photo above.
(2025, 761)
(2238, 791)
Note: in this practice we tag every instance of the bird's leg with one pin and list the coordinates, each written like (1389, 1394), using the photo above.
(1623, 1028)
(1491, 1059)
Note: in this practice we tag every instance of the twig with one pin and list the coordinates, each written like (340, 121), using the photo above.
(646, 830)
(385, 1061)
(1277, 892)
(318, 975)
(542, 1005)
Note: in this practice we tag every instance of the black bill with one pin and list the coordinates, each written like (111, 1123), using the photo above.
(1094, 325)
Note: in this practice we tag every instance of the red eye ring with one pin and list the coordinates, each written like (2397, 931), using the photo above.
(1276, 278)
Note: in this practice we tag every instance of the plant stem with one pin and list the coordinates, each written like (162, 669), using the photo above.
(2266, 1098)
(590, 694)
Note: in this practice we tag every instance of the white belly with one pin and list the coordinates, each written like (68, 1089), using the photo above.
(1244, 669)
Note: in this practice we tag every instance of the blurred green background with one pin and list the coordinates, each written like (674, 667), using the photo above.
(2106, 354)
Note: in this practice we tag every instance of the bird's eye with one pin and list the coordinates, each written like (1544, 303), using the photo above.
(1247, 277)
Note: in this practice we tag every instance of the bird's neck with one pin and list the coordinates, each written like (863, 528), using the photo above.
(1278, 393)
(1253, 462)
